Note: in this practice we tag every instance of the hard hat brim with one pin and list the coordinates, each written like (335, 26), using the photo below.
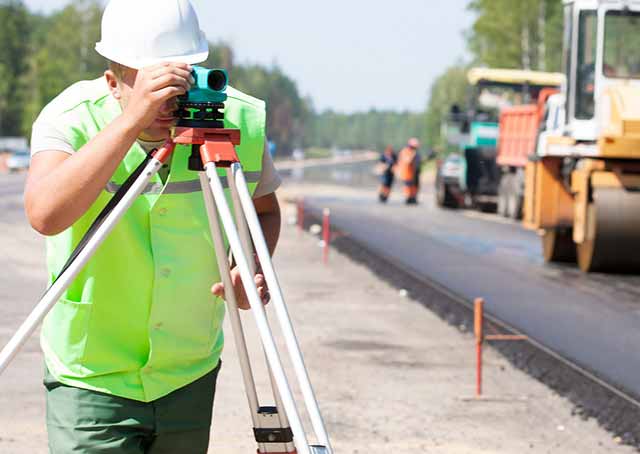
(139, 63)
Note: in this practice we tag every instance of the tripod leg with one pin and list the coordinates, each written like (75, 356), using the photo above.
(258, 310)
(257, 413)
(245, 237)
(279, 304)
(230, 298)
(81, 257)
(241, 221)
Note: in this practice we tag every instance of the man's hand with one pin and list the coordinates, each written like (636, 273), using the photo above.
(241, 296)
(61, 187)
(153, 87)
(268, 211)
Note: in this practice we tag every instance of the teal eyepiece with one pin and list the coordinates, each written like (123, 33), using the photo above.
(203, 105)
(210, 79)
(217, 80)
(210, 86)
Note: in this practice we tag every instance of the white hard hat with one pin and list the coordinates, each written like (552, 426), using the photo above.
(139, 33)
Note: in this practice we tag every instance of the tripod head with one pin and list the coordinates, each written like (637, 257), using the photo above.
(200, 124)
(202, 106)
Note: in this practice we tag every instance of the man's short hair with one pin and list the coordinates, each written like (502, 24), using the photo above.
(117, 69)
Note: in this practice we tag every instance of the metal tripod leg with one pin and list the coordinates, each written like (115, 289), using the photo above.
(281, 309)
(230, 298)
(258, 311)
(261, 418)
(247, 246)
(53, 293)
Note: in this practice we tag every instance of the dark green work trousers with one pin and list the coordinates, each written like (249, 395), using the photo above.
(89, 422)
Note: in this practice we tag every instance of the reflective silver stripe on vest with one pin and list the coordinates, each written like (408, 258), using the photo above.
(182, 187)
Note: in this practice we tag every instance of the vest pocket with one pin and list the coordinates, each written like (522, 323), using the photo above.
(66, 332)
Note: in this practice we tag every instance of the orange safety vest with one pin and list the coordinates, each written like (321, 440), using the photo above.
(406, 166)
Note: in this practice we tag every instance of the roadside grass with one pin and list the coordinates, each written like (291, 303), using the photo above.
(317, 152)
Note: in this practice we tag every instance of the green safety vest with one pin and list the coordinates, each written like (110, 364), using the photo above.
(140, 321)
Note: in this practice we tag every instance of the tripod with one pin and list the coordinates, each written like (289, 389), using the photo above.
(277, 429)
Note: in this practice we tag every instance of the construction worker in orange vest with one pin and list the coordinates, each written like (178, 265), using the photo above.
(408, 170)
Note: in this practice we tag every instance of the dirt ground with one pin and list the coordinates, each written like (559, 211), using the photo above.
(389, 375)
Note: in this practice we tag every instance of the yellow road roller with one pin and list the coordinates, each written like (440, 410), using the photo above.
(582, 183)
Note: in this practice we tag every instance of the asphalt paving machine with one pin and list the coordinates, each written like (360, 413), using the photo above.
(471, 176)
(582, 186)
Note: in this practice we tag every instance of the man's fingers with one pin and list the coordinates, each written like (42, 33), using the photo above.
(169, 92)
(179, 72)
(159, 71)
(264, 294)
(241, 296)
(218, 289)
(167, 64)
(170, 80)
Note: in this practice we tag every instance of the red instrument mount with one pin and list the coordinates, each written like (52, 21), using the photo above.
(217, 145)
(162, 154)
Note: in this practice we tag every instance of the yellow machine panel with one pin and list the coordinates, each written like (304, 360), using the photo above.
(548, 203)
(620, 137)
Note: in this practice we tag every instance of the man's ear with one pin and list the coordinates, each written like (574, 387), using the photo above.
(113, 83)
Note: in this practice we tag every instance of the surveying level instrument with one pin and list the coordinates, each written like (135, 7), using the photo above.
(278, 428)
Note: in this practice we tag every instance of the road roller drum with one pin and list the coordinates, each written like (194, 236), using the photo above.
(613, 226)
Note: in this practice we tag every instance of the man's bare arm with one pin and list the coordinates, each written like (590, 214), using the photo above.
(268, 210)
(61, 187)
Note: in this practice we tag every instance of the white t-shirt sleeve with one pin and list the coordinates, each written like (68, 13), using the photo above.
(46, 136)
(269, 179)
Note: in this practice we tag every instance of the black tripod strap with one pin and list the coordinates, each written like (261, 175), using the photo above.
(115, 200)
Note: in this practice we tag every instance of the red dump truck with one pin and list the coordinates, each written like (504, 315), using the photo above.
(517, 138)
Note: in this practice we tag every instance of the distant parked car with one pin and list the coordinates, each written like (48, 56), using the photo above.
(19, 160)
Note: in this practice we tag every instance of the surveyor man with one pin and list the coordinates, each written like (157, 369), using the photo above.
(132, 350)
(408, 168)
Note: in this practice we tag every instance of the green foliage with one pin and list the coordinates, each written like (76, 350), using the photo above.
(317, 152)
(62, 53)
(14, 51)
(220, 56)
(450, 88)
(523, 34)
(365, 130)
(520, 34)
(287, 111)
(43, 55)
(506, 34)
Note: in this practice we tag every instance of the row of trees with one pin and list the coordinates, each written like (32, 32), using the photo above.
(366, 130)
(525, 34)
(42, 55)
(287, 111)
(515, 34)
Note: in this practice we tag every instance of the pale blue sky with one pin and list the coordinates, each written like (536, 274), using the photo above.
(348, 55)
